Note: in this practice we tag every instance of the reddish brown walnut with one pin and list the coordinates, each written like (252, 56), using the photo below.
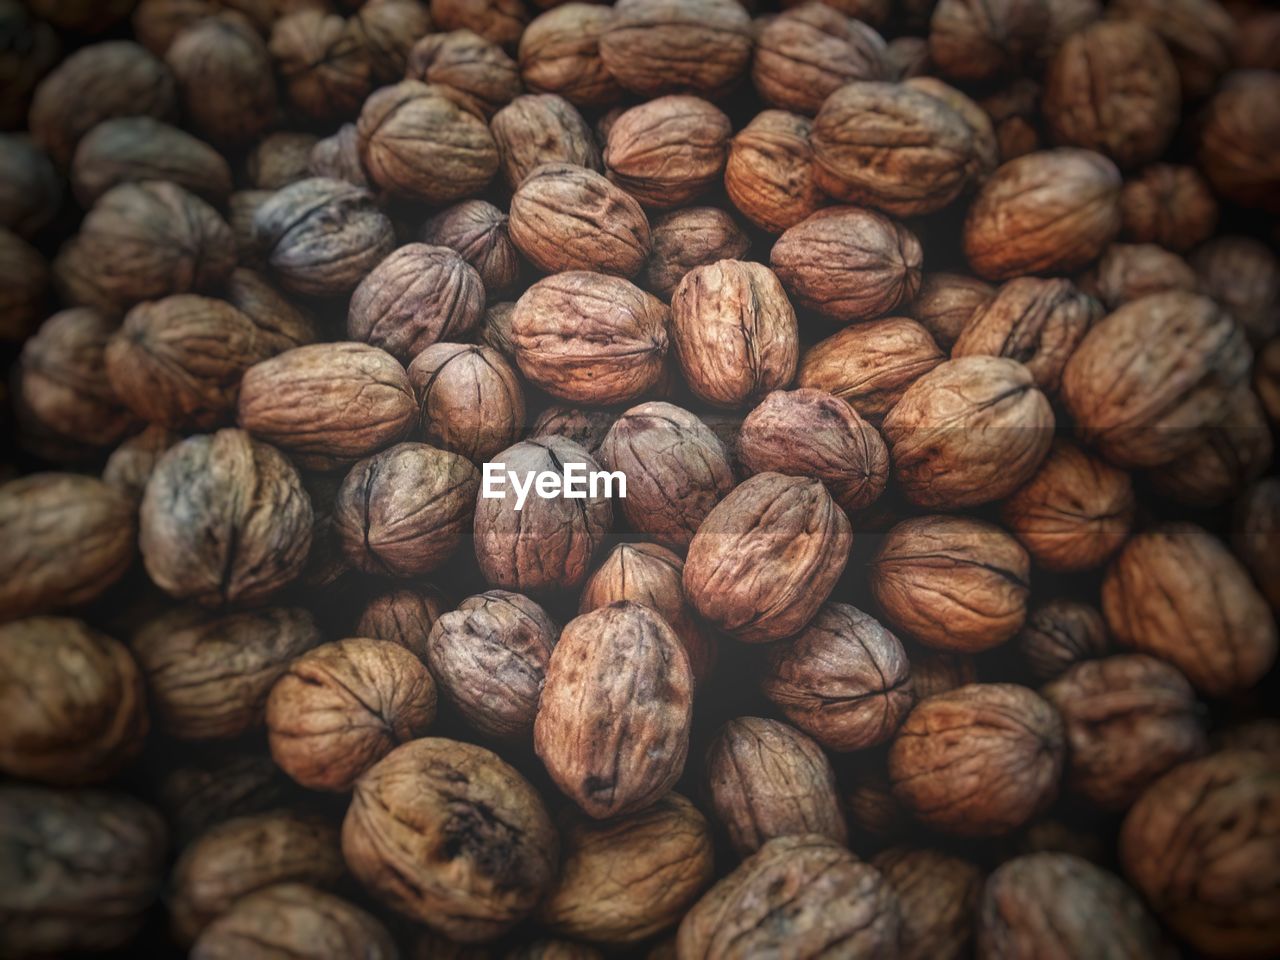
(471, 399)
(769, 174)
(1059, 634)
(938, 895)
(668, 151)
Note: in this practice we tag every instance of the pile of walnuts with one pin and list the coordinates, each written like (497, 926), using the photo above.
(937, 341)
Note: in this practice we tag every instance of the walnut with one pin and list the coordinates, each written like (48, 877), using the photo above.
(133, 149)
(280, 159)
(388, 29)
(337, 157)
(874, 12)
(66, 539)
(873, 809)
(984, 152)
(490, 658)
(1243, 275)
(542, 128)
(298, 920)
(625, 879)
(1230, 457)
(484, 78)
(1143, 402)
(548, 544)
(560, 53)
(848, 264)
(242, 207)
(449, 835)
(1128, 272)
(654, 47)
(1199, 34)
(1257, 522)
(870, 365)
(130, 465)
(471, 399)
(1237, 136)
(938, 895)
(225, 80)
(1208, 820)
(769, 173)
(24, 282)
(423, 142)
(30, 186)
(495, 329)
(805, 896)
(735, 332)
(748, 561)
(1169, 205)
(566, 217)
(198, 794)
(808, 52)
(1060, 634)
(946, 302)
(589, 337)
(971, 41)
(583, 425)
(97, 82)
(479, 232)
(340, 400)
(978, 761)
(499, 21)
(157, 22)
(688, 238)
(668, 151)
(936, 671)
(246, 854)
(1059, 902)
(404, 616)
(907, 57)
(323, 64)
(31, 53)
(970, 431)
(1046, 212)
(1177, 593)
(342, 707)
(99, 859)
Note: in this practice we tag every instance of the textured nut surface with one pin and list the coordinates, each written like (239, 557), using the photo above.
(478, 231)
(323, 63)
(31, 189)
(1169, 205)
(1201, 36)
(560, 53)
(1236, 137)
(688, 238)
(1243, 275)
(133, 149)
(1130, 271)
(938, 896)
(471, 399)
(499, 21)
(388, 30)
(1059, 634)
(667, 151)
(225, 82)
(769, 173)
(404, 616)
(542, 128)
(972, 41)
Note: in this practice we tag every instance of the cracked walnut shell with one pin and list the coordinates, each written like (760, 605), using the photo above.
(471, 399)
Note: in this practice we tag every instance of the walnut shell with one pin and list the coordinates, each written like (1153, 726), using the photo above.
(935, 671)
(388, 29)
(542, 128)
(769, 173)
(280, 159)
(1177, 593)
(1169, 205)
(323, 63)
(1060, 634)
(748, 561)
(938, 895)
(848, 264)
(471, 399)
(1130, 271)
(499, 21)
(1015, 112)
(1200, 35)
(973, 41)
(669, 150)
(130, 465)
(478, 231)
(1230, 457)
(482, 76)
(1236, 138)
(197, 795)
(585, 426)
(688, 238)
(225, 80)
(1243, 275)
(337, 157)
(157, 22)
(133, 149)
(449, 835)
(560, 53)
(1257, 520)
(404, 616)
(946, 302)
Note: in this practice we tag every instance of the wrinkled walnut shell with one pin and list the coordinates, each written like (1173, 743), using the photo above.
(667, 151)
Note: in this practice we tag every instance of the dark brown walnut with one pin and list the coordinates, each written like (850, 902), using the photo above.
(628, 878)
(1014, 112)
(97, 82)
(613, 721)
(1143, 402)
(548, 544)
(735, 332)
(1131, 271)
(668, 151)
(495, 329)
(1266, 378)
(280, 159)
(321, 237)
(24, 276)
(405, 511)
(769, 173)
(542, 128)
(130, 465)
(490, 657)
(323, 64)
(448, 834)
(1255, 531)
(281, 321)
(1200, 844)
(560, 53)
(806, 896)
(388, 29)
(240, 856)
(225, 82)
(970, 431)
(1128, 719)
(676, 470)
(342, 707)
(1060, 634)
(809, 432)
(584, 426)
(1064, 904)
(337, 157)
(1047, 212)
(83, 869)
(765, 780)
(1057, 836)
(566, 217)
(649, 574)
(766, 557)
(499, 21)
(938, 896)
(1256, 31)
(423, 142)
(1199, 34)
(417, 296)
(476, 69)
(1177, 593)
(870, 365)
(196, 795)
(810, 51)
(971, 41)
(142, 241)
(297, 920)
(688, 238)
(952, 583)
(978, 761)
(404, 615)
(132, 149)
(984, 151)
(1231, 456)
(848, 264)
(471, 399)
(946, 302)
(62, 382)
(873, 810)
(874, 12)
(478, 231)
(844, 679)
(72, 701)
(928, 161)
(30, 186)
(224, 520)
(157, 22)
(329, 400)
(30, 55)
(907, 57)
(1243, 275)
(64, 538)
(242, 207)
(589, 337)
(654, 47)
(1236, 139)
(936, 671)
(209, 673)
(1168, 205)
